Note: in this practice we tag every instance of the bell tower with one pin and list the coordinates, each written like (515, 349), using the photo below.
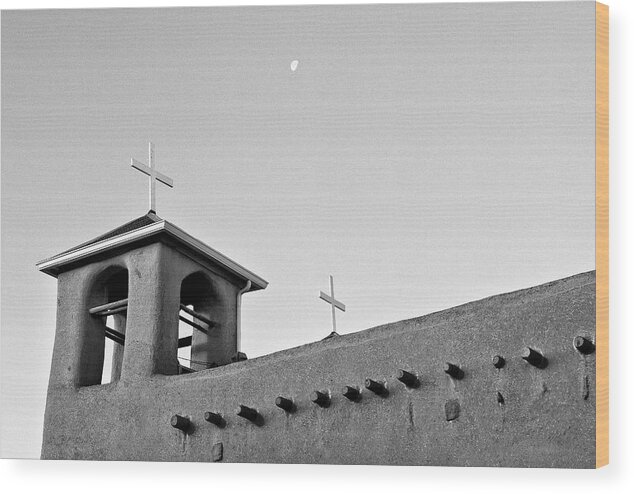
(161, 302)
(135, 285)
(150, 276)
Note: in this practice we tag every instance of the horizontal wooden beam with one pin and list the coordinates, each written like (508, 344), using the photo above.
(193, 324)
(115, 336)
(197, 315)
(111, 311)
(183, 342)
(111, 308)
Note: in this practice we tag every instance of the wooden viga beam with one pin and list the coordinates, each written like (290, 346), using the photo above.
(122, 305)
(197, 315)
(119, 338)
(183, 342)
(115, 336)
(193, 324)
(109, 309)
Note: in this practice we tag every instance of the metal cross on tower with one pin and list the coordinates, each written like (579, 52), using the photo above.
(334, 303)
(154, 175)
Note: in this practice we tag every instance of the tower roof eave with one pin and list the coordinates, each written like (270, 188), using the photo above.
(141, 229)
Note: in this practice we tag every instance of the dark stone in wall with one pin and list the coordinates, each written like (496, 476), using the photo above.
(216, 452)
(452, 410)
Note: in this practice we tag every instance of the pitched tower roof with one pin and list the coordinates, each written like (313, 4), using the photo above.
(143, 230)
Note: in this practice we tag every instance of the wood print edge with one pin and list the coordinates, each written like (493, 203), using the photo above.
(602, 232)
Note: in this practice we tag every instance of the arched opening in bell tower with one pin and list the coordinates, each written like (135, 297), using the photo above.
(106, 335)
(196, 324)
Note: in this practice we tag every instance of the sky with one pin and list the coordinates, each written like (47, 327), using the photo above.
(425, 156)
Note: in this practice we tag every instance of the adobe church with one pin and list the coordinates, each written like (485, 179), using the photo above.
(504, 381)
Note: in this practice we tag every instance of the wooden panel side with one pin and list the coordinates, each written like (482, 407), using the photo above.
(602, 233)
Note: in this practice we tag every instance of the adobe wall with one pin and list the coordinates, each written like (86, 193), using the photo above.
(546, 419)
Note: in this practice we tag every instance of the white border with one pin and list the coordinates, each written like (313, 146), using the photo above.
(107, 477)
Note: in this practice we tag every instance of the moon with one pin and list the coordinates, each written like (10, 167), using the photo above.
(294, 65)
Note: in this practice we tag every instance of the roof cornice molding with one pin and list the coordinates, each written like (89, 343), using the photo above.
(55, 264)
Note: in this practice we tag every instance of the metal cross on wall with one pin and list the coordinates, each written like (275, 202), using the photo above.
(334, 303)
(154, 175)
